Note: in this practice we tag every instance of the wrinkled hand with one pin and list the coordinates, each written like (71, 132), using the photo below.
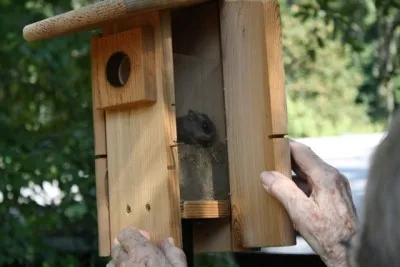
(132, 248)
(325, 215)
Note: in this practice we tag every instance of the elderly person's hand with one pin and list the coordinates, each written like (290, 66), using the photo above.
(324, 215)
(133, 249)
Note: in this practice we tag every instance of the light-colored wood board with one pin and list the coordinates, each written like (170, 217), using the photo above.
(99, 123)
(103, 213)
(93, 15)
(140, 87)
(170, 123)
(255, 110)
(137, 145)
(205, 209)
(212, 235)
(199, 87)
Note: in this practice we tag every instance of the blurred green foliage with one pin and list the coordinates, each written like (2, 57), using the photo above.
(341, 68)
(338, 77)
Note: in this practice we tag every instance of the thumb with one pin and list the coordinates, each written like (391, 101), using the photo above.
(174, 255)
(296, 203)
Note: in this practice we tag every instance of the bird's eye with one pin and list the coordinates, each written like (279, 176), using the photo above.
(205, 126)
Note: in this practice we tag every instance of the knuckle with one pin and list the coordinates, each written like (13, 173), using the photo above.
(332, 173)
(302, 147)
(345, 180)
(177, 252)
(179, 257)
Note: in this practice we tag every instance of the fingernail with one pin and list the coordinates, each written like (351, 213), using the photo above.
(267, 178)
(171, 241)
(145, 234)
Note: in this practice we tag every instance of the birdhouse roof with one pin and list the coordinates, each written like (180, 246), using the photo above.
(94, 15)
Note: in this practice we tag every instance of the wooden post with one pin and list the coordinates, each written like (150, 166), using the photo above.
(256, 119)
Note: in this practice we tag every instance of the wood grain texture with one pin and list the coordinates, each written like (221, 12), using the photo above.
(93, 15)
(143, 191)
(205, 209)
(99, 121)
(103, 212)
(255, 103)
(81, 19)
(102, 201)
(170, 123)
(140, 88)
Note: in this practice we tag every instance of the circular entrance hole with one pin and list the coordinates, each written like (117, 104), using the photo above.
(118, 69)
(128, 209)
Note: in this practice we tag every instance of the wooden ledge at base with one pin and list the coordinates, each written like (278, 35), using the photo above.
(205, 209)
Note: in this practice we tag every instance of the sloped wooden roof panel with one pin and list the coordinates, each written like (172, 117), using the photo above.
(93, 15)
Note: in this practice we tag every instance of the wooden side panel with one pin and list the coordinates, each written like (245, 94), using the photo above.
(103, 212)
(100, 151)
(170, 125)
(142, 184)
(255, 102)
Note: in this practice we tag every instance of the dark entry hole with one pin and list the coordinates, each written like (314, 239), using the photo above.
(148, 207)
(118, 69)
(128, 209)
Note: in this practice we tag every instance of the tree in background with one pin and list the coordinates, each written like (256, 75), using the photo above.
(341, 75)
(383, 33)
(369, 32)
(46, 139)
(322, 76)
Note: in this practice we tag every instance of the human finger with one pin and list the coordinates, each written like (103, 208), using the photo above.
(145, 234)
(118, 254)
(302, 184)
(173, 254)
(130, 238)
(296, 203)
(308, 165)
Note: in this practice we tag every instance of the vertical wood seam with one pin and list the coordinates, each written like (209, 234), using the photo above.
(100, 148)
(170, 124)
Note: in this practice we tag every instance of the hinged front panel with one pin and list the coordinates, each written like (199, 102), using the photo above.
(143, 189)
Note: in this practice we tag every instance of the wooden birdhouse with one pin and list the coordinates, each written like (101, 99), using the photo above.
(189, 107)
